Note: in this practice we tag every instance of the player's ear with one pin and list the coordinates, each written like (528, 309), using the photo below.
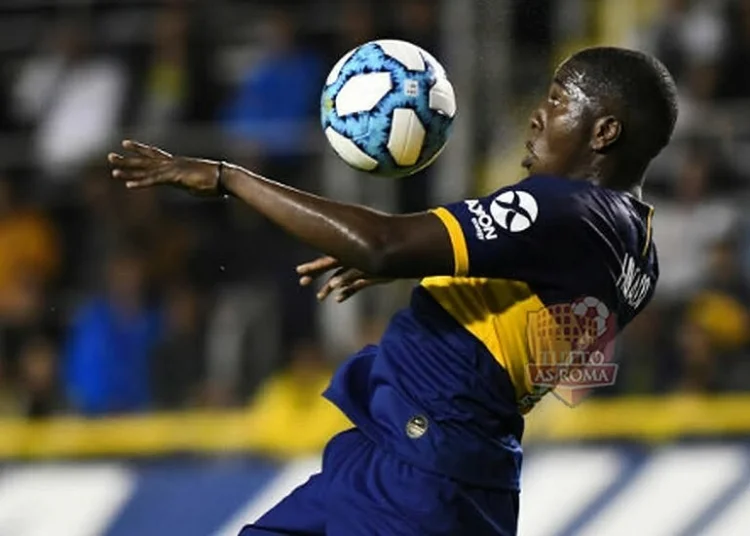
(607, 131)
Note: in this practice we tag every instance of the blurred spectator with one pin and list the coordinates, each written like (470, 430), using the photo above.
(278, 97)
(723, 319)
(531, 29)
(269, 119)
(107, 361)
(245, 342)
(719, 311)
(71, 93)
(167, 242)
(689, 37)
(93, 230)
(685, 226)
(711, 341)
(110, 214)
(165, 94)
(356, 26)
(73, 98)
(178, 361)
(699, 359)
(8, 120)
(10, 396)
(417, 22)
(29, 256)
(724, 269)
(29, 262)
(734, 78)
(38, 369)
(643, 361)
(289, 415)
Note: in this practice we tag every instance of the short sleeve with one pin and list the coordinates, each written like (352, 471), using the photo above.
(526, 231)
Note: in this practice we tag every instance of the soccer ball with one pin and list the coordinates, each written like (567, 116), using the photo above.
(387, 108)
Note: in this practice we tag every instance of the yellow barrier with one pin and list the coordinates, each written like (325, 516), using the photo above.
(649, 419)
(128, 436)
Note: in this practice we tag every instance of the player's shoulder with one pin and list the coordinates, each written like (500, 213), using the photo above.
(557, 193)
(552, 200)
(562, 188)
(553, 184)
(584, 200)
(600, 219)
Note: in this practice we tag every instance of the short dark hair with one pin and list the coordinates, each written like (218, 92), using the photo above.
(634, 86)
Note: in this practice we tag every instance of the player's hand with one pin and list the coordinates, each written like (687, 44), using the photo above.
(143, 166)
(345, 281)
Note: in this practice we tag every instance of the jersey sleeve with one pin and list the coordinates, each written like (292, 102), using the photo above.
(526, 231)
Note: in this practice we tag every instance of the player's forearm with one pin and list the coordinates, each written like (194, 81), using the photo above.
(381, 245)
(358, 236)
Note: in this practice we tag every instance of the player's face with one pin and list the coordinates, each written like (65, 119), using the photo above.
(560, 130)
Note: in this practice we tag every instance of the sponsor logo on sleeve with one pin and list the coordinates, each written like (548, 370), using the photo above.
(514, 210)
(483, 223)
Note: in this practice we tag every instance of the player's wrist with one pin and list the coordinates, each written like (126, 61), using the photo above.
(221, 187)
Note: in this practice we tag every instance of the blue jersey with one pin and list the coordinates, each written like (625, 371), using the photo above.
(447, 387)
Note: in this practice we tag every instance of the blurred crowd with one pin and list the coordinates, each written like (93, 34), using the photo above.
(695, 336)
(114, 302)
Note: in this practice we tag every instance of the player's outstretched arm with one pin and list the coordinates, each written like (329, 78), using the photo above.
(379, 244)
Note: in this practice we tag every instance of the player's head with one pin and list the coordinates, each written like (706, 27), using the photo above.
(608, 113)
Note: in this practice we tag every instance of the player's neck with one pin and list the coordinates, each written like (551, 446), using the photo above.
(637, 192)
(608, 174)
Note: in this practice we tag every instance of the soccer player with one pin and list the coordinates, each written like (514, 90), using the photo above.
(438, 405)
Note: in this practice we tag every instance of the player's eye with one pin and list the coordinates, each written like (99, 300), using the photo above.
(554, 100)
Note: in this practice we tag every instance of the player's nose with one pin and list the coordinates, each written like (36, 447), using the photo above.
(536, 122)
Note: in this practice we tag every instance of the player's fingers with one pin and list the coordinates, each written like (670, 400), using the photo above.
(131, 174)
(145, 150)
(343, 277)
(331, 284)
(325, 290)
(340, 279)
(317, 267)
(143, 183)
(347, 277)
(130, 162)
(350, 290)
(311, 275)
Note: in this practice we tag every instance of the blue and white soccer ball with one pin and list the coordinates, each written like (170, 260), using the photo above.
(387, 108)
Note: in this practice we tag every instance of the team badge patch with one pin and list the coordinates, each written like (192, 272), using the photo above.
(416, 427)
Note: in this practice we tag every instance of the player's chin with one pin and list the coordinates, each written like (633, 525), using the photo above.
(528, 163)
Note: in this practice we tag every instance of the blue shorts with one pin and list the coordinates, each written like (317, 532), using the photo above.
(365, 491)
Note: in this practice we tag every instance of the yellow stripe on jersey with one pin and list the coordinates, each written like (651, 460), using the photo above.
(512, 323)
(458, 241)
(495, 311)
